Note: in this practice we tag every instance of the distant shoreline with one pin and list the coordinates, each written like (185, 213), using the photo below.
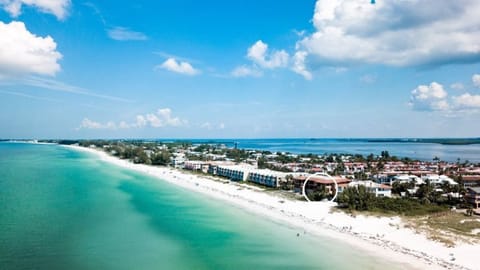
(444, 141)
(424, 149)
(231, 141)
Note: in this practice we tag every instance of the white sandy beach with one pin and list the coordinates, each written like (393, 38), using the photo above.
(384, 237)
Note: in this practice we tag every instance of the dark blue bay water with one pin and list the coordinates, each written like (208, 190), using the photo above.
(415, 150)
(62, 209)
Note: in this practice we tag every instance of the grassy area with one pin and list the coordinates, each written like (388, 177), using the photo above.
(407, 207)
(448, 227)
(360, 199)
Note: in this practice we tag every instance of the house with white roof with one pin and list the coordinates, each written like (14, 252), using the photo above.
(438, 179)
(407, 178)
(380, 190)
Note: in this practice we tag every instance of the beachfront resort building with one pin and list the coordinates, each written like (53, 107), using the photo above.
(178, 160)
(232, 172)
(266, 177)
(196, 165)
(473, 196)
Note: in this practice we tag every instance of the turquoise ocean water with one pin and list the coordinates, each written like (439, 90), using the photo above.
(62, 209)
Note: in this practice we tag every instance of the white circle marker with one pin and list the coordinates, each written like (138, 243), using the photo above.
(321, 174)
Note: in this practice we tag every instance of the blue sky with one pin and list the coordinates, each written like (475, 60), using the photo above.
(243, 69)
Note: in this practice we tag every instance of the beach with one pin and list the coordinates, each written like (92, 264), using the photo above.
(385, 237)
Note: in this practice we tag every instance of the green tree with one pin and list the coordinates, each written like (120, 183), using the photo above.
(425, 192)
(357, 198)
(161, 158)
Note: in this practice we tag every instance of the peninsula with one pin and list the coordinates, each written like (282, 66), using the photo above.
(423, 213)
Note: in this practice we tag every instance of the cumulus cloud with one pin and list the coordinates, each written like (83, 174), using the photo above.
(299, 65)
(161, 118)
(245, 71)
(181, 67)
(89, 124)
(431, 97)
(476, 80)
(467, 101)
(124, 34)
(457, 86)
(55, 7)
(260, 55)
(396, 32)
(22, 52)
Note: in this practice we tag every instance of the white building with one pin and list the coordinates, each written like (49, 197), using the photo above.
(266, 177)
(195, 165)
(407, 178)
(178, 160)
(438, 179)
(234, 172)
(379, 190)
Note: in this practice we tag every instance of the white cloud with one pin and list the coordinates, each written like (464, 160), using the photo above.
(161, 118)
(263, 58)
(433, 97)
(245, 71)
(476, 80)
(210, 126)
(457, 86)
(467, 101)
(89, 124)
(22, 52)
(429, 98)
(141, 121)
(55, 7)
(123, 34)
(396, 32)
(299, 65)
(181, 67)
(259, 54)
(167, 118)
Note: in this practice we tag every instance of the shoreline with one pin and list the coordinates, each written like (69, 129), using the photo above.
(381, 237)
